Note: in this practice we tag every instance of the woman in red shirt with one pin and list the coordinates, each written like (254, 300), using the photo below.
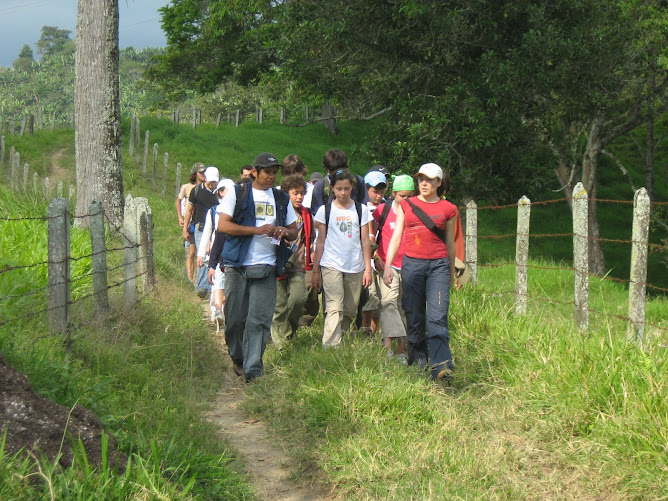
(427, 271)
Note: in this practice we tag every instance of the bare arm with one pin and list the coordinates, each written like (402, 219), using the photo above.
(186, 219)
(178, 210)
(366, 251)
(394, 245)
(316, 280)
(450, 244)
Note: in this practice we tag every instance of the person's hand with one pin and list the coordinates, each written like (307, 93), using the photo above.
(212, 273)
(457, 284)
(379, 264)
(265, 229)
(199, 261)
(185, 233)
(316, 281)
(280, 232)
(388, 276)
(180, 221)
(367, 278)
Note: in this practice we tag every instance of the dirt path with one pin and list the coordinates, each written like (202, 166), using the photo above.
(56, 171)
(266, 462)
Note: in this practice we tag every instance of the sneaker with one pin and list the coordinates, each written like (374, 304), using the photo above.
(201, 293)
(220, 316)
(366, 331)
(238, 369)
(403, 359)
(445, 375)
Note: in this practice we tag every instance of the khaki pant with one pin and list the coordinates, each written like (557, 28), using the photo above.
(290, 298)
(392, 317)
(342, 291)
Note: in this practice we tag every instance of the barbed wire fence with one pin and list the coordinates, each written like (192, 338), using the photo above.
(137, 234)
(135, 274)
(637, 283)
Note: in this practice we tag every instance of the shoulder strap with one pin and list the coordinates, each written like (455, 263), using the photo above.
(212, 212)
(359, 188)
(328, 210)
(281, 198)
(383, 218)
(426, 220)
(241, 192)
(358, 208)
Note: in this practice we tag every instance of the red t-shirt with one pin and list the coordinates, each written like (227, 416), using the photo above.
(421, 242)
(386, 235)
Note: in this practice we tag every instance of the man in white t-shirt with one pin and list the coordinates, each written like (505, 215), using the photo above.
(254, 252)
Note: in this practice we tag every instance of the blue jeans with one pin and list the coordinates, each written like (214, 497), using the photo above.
(249, 308)
(202, 271)
(426, 300)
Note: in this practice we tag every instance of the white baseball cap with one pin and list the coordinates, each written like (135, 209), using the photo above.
(226, 183)
(432, 171)
(211, 174)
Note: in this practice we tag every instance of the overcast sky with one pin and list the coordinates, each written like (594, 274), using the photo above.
(21, 23)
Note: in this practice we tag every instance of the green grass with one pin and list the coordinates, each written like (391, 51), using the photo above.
(538, 410)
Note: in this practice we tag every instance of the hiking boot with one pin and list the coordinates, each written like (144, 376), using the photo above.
(445, 375)
(238, 369)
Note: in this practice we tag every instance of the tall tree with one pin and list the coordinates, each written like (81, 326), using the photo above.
(53, 40)
(25, 61)
(97, 110)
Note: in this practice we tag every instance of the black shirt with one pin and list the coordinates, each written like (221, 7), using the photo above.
(202, 200)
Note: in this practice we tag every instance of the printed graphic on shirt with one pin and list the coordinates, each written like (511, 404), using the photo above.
(263, 209)
(345, 225)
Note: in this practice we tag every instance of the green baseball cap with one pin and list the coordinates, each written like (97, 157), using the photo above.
(403, 182)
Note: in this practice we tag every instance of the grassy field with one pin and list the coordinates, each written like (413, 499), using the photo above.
(537, 409)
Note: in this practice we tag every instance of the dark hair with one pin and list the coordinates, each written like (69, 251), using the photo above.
(335, 159)
(342, 175)
(245, 167)
(193, 177)
(441, 190)
(292, 164)
(379, 186)
(292, 182)
(246, 179)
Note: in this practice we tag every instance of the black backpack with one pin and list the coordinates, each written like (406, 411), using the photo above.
(383, 218)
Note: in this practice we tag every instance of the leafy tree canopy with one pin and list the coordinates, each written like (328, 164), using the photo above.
(54, 41)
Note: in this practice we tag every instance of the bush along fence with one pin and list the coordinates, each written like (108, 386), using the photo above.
(135, 274)
(637, 282)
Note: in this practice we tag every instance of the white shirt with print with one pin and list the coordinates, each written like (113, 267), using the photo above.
(343, 248)
(261, 249)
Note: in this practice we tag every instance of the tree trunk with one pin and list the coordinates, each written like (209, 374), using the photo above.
(97, 140)
(328, 119)
(589, 175)
(563, 173)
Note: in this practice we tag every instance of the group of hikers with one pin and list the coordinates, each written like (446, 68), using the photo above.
(379, 252)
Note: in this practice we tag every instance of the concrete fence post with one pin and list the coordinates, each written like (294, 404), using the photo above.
(53, 121)
(165, 168)
(131, 148)
(137, 138)
(580, 257)
(143, 165)
(12, 154)
(35, 181)
(130, 239)
(59, 265)
(145, 258)
(472, 240)
(59, 189)
(639, 250)
(522, 255)
(218, 120)
(71, 192)
(14, 183)
(154, 173)
(26, 172)
(236, 118)
(99, 255)
(194, 120)
(23, 125)
(179, 168)
(46, 187)
(259, 116)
